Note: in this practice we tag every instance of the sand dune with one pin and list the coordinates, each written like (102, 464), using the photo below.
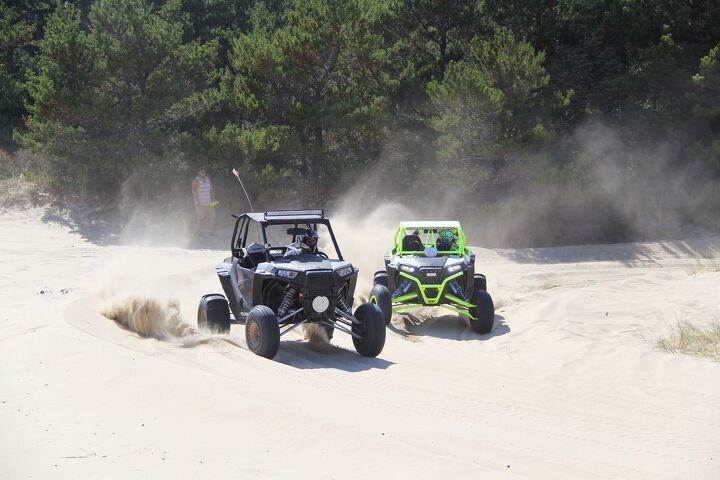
(569, 384)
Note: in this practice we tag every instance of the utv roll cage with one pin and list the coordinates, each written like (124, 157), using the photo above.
(307, 218)
(411, 238)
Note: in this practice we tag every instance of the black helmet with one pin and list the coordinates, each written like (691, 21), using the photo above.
(446, 240)
(444, 244)
(310, 238)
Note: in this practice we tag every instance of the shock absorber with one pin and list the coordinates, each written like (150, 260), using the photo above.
(457, 290)
(342, 303)
(287, 301)
(404, 288)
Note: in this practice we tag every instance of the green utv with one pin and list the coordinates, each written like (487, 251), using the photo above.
(431, 265)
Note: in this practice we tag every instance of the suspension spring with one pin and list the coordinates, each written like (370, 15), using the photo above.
(402, 289)
(287, 301)
(342, 303)
(457, 290)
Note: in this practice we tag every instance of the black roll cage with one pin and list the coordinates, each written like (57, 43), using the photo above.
(309, 218)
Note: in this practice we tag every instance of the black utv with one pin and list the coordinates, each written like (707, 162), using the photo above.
(273, 288)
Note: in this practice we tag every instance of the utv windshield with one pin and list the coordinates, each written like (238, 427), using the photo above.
(285, 234)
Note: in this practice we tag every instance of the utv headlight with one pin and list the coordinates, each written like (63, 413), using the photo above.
(287, 273)
(407, 268)
(454, 268)
(345, 271)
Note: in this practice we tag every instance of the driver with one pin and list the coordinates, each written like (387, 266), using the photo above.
(446, 240)
(306, 244)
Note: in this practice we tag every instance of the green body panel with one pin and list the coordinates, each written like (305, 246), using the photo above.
(440, 287)
(457, 305)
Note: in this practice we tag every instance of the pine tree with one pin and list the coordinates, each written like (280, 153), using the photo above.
(487, 103)
(111, 98)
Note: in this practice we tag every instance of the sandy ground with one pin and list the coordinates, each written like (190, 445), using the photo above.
(568, 385)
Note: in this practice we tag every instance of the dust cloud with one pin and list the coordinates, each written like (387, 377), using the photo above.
(605, 189)
(152, 219)
(142, 290)
(148, 317)
(365, 235)
(613, 191)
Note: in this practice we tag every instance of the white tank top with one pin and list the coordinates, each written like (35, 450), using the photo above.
(203, 192)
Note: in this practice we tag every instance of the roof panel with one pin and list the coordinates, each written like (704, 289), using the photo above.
(430, 224)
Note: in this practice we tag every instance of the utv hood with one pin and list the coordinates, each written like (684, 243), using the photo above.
(428, 262)
(302, 263)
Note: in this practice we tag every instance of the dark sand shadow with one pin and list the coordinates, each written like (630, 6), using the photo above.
(451, 327)
(310, 356)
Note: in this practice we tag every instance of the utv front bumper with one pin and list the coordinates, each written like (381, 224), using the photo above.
(431, 294)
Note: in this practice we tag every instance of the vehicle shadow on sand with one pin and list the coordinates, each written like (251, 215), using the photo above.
(450, 327)
(309, 356)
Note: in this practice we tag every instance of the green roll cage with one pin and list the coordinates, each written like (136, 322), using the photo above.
(428, 233)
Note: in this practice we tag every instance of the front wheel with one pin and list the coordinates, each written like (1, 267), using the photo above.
(213, 314)
(480, 282)
(262, 331)
(371, 330)
(483, 311)
(380, 296)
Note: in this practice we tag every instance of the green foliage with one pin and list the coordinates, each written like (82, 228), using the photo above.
(491, 95)
(297, 90)
(110, 98)
(488, 103)
(708, 82)
(19, 27)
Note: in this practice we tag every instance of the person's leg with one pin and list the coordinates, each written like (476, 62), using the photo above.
(211, 219)
(201, 214)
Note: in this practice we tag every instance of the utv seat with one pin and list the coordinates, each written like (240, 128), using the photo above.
(412, 243)
(255, 254)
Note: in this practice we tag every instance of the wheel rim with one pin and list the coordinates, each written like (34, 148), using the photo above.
(254, 334)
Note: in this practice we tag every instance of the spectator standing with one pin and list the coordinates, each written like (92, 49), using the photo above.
(204, 197)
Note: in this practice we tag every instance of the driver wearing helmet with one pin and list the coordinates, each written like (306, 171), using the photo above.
(446, 240)
(306, 244)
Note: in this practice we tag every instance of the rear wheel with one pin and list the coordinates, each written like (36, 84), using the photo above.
(262, 332)
(380, 278)
(380, 296)
(371, 330)
(213, 314)
(483, 311)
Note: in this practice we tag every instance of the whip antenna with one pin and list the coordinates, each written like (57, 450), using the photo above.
(237, 175)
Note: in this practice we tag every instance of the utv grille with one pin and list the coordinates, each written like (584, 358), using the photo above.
(320, 281)
(431, 275)
(431, 292)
